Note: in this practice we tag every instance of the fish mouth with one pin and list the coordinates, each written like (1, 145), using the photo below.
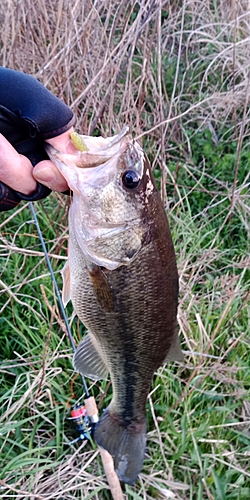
(96, 165)
(97, 150)
(116, 139)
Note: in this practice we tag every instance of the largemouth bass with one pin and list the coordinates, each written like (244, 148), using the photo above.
(121, 276)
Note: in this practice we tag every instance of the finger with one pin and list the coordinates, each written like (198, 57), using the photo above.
(46, 173)
(15, 169)
(63, 142)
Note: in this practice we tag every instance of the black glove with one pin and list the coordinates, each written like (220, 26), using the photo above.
(29, 114)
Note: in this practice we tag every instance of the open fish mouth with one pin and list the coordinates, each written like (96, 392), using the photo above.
(91, 151)
(94, 164)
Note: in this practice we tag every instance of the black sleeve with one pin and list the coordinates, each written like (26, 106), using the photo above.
(29, 114)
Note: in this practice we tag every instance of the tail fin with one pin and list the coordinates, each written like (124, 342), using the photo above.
(125, 443)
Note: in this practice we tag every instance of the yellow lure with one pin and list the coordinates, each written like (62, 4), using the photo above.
(78, 141)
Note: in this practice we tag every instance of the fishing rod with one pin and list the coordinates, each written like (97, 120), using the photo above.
(84, 417)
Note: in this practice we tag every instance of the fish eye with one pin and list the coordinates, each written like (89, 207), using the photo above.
(130, 179)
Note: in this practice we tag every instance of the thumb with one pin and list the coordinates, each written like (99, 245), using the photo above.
(46, 173)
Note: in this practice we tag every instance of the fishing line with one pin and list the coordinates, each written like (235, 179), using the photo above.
(56, 290)
(78, 414)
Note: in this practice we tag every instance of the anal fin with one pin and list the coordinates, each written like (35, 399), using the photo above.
(87, 360)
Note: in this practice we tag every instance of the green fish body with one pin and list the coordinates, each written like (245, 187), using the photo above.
(122, 278)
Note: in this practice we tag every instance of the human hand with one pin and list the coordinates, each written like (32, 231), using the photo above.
(17, 171)
(29, 116)
(46, 172)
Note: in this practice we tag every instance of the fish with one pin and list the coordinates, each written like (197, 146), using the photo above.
(121, 276)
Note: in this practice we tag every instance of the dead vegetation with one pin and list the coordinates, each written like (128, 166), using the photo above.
(178, 74)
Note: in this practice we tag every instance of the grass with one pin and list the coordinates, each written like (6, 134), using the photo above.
(185, 93)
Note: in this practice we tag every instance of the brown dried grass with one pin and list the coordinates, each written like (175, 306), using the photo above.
(108, 61)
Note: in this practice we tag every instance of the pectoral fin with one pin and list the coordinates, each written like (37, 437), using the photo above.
(66, 284)
(87, 360)
(102, 289)
(175, 352)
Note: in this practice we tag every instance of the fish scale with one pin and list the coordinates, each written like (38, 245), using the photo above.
(129, 303)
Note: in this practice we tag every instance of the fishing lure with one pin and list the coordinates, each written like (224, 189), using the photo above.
(78, 141)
